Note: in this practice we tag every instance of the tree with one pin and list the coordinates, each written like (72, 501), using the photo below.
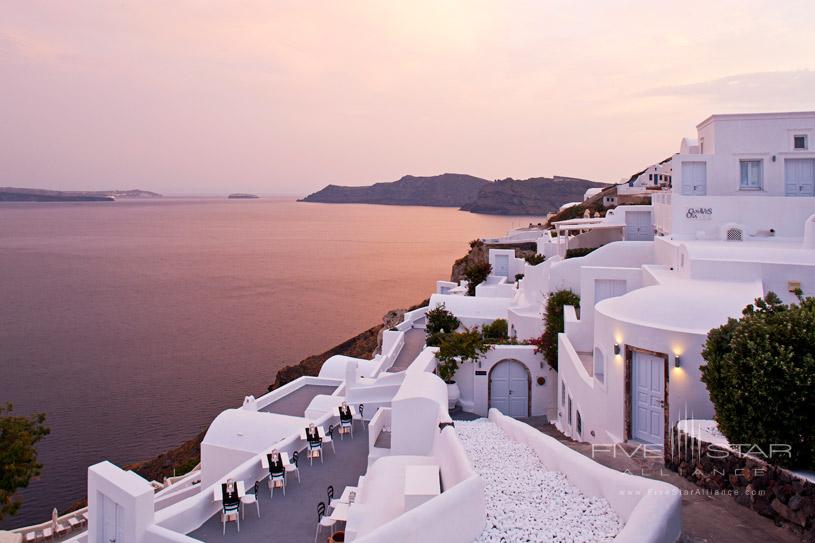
(476, 274)
(535, 259)
(440, 320)
(18, 456)
(458, 348)
(496, 331)
(546, 344)
(760, 373)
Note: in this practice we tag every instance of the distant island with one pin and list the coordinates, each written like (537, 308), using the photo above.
(16, 194)
(242, 196)
(534, 196)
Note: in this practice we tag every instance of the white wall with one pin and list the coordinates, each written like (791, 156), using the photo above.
(475, 388)
(651, 510)
(132, 494)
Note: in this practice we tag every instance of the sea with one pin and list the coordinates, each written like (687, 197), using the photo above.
(132, 324)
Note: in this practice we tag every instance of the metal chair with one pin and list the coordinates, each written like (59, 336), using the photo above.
(332, 503)
(292, 466)
(323, 520)
(249, 499)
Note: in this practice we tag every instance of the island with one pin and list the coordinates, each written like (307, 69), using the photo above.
(242, 196)
(17, 194)
(533, 196)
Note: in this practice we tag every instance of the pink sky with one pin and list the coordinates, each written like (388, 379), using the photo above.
(285, 97)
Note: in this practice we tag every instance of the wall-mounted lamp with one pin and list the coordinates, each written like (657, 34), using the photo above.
(616, 348)
(677, 361)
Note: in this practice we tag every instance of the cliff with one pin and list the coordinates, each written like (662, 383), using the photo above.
(15, 194)
(446, 190)
(534, 196)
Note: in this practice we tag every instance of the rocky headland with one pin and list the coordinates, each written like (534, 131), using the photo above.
(16, 194)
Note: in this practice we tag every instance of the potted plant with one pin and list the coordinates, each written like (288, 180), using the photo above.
(455, 349)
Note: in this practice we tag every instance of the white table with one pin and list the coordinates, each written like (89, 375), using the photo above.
(340, 513)
(218, 493)
(320, 432)
(264, 459)
(421, 484)
(346, 494)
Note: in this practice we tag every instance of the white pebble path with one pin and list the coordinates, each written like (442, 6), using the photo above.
(527, 503)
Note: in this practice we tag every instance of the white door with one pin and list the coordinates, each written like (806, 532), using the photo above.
(111, 521)
(648, 396)
(799, 176)
(638, 226)
(501, 265)
(608, 288)
(694, 178)
(509, 388)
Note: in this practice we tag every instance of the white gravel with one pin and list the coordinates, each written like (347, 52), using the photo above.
(525, 502)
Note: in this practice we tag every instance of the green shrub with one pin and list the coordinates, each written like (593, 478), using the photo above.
(476, 243)
(518, 277)
(574, 253)
(439, 319)
(535, 259)
(476, 274)
(497, 330)
(760, 373)
(458, 348)
(546, 344)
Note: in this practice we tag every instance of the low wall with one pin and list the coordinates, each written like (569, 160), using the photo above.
(768, 490)
(457, 515)
(651, 510)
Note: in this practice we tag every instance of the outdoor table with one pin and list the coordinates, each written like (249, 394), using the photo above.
(264, 460)
(421, 484)
(217, 494)
(346, 494)
(340, 513)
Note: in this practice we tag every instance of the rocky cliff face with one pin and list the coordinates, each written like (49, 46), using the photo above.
(446, 190)
(534, 196)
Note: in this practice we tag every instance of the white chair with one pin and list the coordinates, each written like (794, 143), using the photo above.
(315, 447)
(323, 521)
(273, 479)
(292, 466)
(249, 499)
(229, 513)
(329, 437)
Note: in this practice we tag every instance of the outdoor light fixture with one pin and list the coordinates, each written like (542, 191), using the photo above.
(677, 361)
(616, 348)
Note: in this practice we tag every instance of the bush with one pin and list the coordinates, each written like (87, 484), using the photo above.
(546, 344)
(476, 274)
(518, 277)
(476, 243)
(574, 253)
(497, 330)
(535, 259)
(760, 373)
(439, 319)
(18, 455)
(455, 349)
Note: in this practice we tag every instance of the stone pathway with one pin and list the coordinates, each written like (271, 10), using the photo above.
(526, 502)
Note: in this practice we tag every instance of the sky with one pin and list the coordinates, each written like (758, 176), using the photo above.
(284, 97)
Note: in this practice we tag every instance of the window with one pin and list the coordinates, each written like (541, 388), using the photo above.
(650, 177)
(579, 424)
(751, 173)
(570, 411)
(562, 393)
(800, 142)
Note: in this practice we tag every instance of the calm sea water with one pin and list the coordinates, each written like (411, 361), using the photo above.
(132, 324)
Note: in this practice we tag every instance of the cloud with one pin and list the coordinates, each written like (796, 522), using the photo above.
(783, 89)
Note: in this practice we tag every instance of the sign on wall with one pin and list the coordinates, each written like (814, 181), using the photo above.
(699, 213)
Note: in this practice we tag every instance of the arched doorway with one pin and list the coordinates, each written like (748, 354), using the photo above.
(510, 384)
